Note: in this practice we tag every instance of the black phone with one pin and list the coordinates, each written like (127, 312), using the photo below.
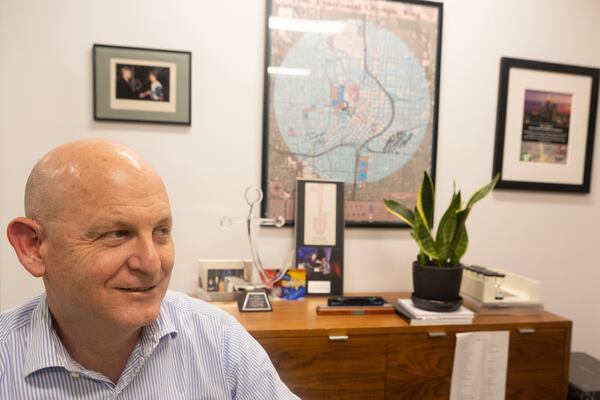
(357, 301)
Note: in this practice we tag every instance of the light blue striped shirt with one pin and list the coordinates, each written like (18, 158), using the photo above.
(192, 351)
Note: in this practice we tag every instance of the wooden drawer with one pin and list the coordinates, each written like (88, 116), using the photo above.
(536, 364)
(419, 367)
(317, 368)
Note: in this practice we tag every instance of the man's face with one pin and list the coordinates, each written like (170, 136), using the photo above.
(109, 257)
(126, 73)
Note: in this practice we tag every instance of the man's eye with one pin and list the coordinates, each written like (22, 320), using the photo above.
(163, 231)
(116, 234)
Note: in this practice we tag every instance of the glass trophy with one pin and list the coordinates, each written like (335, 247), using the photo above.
(254, 196)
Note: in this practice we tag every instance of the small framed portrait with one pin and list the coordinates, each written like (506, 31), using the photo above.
(213, 276)
(142, 85)
(545, 126)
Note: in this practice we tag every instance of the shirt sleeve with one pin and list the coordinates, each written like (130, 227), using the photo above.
(250, 373)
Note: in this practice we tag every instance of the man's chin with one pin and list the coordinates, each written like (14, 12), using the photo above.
(138, 309)
(137, 317)
(138, 314)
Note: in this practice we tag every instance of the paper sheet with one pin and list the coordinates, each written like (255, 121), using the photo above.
(320, 214)
(480, 362)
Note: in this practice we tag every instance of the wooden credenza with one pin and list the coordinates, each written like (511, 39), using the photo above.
(383, 357)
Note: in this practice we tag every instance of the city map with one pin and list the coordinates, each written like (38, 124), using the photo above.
(351, 98)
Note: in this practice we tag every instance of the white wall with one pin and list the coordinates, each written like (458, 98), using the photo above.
(46, 99)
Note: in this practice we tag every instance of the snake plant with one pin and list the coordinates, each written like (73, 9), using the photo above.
(449, 244)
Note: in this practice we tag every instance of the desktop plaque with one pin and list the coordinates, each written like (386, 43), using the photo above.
(254, 300)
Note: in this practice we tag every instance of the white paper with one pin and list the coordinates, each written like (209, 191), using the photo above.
(480, 362)
(320, 214)
(319, 287)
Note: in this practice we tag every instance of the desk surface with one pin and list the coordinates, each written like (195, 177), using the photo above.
(299, 318)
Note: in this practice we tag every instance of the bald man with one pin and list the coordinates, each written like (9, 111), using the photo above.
(98, 232)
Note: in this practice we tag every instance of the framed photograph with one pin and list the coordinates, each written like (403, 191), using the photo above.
(351, 94)
(142, 85)
(213, 274)
(545, 126)
(320, 235)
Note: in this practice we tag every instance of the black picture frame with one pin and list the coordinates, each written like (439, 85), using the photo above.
(545, 126)
(135, 84)
(364, 197)
(319, 235)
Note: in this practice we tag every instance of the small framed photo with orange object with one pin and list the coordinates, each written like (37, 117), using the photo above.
(214, 274)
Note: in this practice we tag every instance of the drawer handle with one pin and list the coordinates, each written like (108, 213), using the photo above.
(526, 331)
(434, 335)
(338, 338)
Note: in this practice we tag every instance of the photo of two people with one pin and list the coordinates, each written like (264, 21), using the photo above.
(322, 264)
(142, 82)
(319, 262)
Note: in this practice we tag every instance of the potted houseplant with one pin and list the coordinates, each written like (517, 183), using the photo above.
(437, 272)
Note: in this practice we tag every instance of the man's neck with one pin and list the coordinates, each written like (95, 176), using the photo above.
(97, 348)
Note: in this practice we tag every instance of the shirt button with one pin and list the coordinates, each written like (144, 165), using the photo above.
(74, 375)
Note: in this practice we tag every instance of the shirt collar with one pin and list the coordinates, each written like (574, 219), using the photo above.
(161, 327)
(45, 350)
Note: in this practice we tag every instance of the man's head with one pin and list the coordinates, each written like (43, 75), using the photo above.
(98, 231)
(126, 73)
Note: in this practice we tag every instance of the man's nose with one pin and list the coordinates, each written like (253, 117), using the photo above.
(145, 257)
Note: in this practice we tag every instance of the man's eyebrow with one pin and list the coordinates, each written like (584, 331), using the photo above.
(104, 224)
(116, 223)
(168, 220)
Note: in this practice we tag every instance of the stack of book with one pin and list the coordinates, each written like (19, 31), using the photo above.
(416, 316)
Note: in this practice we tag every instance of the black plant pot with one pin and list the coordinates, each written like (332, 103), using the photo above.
(437, 288)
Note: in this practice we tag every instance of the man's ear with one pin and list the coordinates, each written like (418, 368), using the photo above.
(25, 235)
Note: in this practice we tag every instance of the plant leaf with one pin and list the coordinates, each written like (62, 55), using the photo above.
(447, 227)
(482, 192)
(458, 247)
(461, 247)
(422, 236)
(422, 258)
(425, 200)
(400, 211)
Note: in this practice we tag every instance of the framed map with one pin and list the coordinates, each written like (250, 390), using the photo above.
(351, 94)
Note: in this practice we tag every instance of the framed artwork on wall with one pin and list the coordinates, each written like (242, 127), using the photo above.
(142, 85)
(351, 94)
(545, 126)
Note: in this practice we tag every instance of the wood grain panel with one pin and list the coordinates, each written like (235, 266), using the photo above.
(419, 367)
(316, 368)
(536, 364)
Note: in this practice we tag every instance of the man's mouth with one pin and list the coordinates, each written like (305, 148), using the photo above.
(138, 289)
